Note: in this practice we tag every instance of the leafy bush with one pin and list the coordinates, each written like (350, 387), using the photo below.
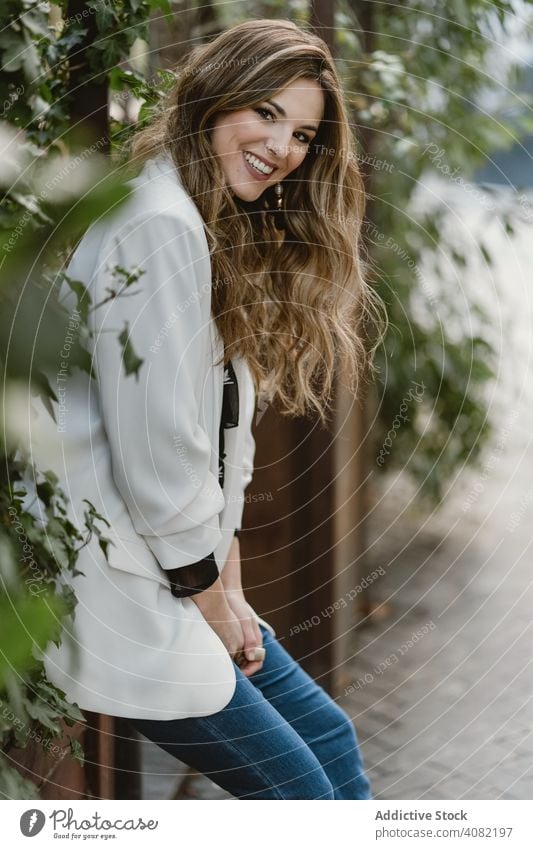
(51, 195)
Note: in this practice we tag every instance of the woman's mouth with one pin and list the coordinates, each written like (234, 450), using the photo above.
(256, 167)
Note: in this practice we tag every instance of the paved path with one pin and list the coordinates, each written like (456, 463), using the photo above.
(452, 716)
(441, 690)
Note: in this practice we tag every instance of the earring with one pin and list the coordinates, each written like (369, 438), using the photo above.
(278, 191)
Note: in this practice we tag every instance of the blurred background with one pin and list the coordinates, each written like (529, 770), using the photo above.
(391, 551)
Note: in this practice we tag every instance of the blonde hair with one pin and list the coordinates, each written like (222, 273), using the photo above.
(291, 299)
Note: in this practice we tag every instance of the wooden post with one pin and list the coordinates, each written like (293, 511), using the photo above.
(322, 19)
(289, 549)
(100, 755)
(88, 107)
(56, 774)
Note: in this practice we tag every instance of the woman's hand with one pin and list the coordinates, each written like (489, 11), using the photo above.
(215, 609)
(250, 629)
(231, 580)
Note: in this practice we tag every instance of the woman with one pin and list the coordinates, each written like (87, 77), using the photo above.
(244, 221)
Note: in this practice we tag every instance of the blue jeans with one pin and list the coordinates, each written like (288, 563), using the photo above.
(280, 737)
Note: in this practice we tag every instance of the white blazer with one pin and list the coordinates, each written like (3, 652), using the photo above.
(144, 451)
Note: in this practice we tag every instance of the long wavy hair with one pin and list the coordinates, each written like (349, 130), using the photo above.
(288, 294)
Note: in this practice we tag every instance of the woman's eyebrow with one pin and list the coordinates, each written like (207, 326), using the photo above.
(284, 115)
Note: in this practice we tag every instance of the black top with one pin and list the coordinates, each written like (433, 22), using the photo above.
(196, 577)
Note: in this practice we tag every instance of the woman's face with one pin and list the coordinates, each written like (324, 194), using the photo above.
(260, 145)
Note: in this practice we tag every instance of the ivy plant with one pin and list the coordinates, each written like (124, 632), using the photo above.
(43, 214)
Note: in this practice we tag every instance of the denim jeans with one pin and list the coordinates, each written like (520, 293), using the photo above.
(280, 737)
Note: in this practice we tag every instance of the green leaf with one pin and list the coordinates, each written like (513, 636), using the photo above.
(12, 54)
(44, 714)
(83, 295)
(51, 477)
(165, 7)
(76, 751)
(13, 785)
(486, 255)
(104, 545)
(132, 362)
(26, 623)
(45, 491)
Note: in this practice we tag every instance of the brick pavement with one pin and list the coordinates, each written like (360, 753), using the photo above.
(453, 717)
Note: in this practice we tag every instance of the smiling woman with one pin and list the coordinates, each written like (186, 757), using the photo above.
(252, 282)
(265, 144)
(266, 95)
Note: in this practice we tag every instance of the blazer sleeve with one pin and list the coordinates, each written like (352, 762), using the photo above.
(160, 450)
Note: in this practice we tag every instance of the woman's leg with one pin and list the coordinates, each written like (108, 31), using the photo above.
(327, 730)
(247, 748)
(280, 737)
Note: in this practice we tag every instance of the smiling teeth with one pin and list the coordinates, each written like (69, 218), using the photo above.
(257, 164)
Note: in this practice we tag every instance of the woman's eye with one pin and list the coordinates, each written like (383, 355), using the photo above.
(304, 139)
(264, 112)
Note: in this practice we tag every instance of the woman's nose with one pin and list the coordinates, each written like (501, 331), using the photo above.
(279, 145)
